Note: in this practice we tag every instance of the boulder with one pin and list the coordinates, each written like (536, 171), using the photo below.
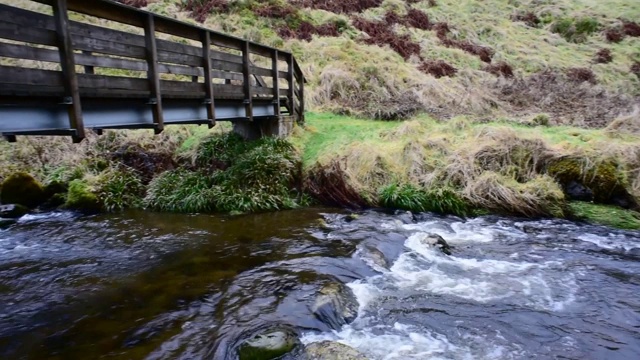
(576, 191)
(336, 305)
(270, 344)
(436, 240)
(13, 211)
(331, 350)
(374, 258)
(81, 197)
(21, 188)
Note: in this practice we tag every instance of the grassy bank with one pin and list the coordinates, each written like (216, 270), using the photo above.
(464, 167)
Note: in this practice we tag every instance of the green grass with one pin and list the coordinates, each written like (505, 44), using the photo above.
(329, 133)
(606, 215)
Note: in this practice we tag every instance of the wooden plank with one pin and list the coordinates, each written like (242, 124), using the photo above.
(276, 84)
(113, 84)
(300, 119)
(67, 62)
(248, 97)
(208, 83)
(29, 53)
(88, 69)
(108, 47)
(153, 74)
(27, 34)
(290, 82)
(260, 71)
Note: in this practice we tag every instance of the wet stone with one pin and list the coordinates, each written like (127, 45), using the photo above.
(331, 350)
(336, 305)
(374, 257)
(5, 223)
(272, 344)
(435, 240)
(13, 211)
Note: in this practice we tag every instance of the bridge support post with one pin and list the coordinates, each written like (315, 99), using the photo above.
(68, 65)
(280, 126)
(208, 82)
(153, 75)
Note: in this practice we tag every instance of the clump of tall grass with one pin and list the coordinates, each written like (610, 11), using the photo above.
(181, 191)
(119, 188)
(575, 29)
(444, 200)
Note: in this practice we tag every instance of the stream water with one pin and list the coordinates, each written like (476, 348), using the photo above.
(141, 285)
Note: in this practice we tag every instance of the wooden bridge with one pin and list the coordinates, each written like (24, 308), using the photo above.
(62, 77)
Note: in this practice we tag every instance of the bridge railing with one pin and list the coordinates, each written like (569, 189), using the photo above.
(157, 59)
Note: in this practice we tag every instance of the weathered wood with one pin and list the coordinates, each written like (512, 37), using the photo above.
(108, 47)
(208, 82)
(248, 97)
(153, 74)
(300, 118)
(276, 85)
(67, 62)
(27, 34)
(290, 82)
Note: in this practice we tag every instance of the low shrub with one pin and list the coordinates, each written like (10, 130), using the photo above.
(181, 191)
(201, 9)
(500, 69)
(485, 53)
(380, 34)
(635, 68)
(575, 30)
(603, 56)
(613, 35)
(631, 28)
(119, 188)
(437, 68)
(528, 18)
(442, 200)
(581, 75)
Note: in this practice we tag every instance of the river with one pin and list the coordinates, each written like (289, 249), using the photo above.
(141, 285)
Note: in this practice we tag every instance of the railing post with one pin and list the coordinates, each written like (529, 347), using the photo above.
(276, 83)
(88, 69)
(291, 82)
(208, 82)
(248, 97)
(301, 96)
(68, 65)
(153, 75)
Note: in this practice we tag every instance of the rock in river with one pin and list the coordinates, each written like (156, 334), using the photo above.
(336, 305)
(331, 350)
(12, 211)
(271, 344)
(436, 240)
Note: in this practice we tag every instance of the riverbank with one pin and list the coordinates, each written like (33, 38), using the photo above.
(459, 166)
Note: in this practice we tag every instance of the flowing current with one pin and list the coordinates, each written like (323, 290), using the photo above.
(161, 286)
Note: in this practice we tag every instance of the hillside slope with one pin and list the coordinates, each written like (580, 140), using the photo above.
(578, 61)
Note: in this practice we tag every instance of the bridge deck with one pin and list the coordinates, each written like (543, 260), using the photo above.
(59, 76)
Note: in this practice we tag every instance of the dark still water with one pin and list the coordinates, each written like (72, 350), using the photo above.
(141, 285)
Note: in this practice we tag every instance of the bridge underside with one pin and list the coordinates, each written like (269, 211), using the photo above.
(45, 116)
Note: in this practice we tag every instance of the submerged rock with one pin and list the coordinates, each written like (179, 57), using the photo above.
(436, 240)
(336, 305)
(271, 344)
(21, 188)
(5, 223)
(13, 211)
(374, 257)
(331, 350)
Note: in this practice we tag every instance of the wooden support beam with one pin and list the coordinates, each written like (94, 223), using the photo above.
(300, 118)
(276, 83)
(153, 75)
(246, 67)
(67, 63)
(291, 82)
(208, 75)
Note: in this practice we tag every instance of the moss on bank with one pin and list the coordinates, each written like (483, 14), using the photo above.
(606, 215)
